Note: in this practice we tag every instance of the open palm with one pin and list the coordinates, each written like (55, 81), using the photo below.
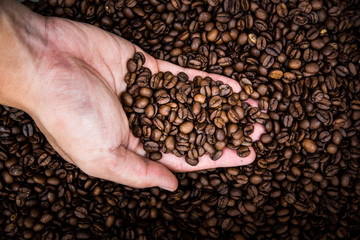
(77, 107)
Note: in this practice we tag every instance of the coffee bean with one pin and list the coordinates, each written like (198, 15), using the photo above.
(215, 156)
(309, 145)
(215, 102)
(16, 170)
(243, 152)
(213, 35)
(131, 65)
(186, 127)
(276, 74)
(141, 102)
(80, 212)
(127, 99)
(265, 138)
(155, 156)
(151, 146)
(53, 180)
(199, 98)
(312, 68)
(282, 10)
(192, 162)
(294, 63)
(28, 130)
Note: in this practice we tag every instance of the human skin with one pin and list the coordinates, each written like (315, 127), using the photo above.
(68, 77)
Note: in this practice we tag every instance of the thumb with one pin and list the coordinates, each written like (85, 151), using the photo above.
(128, 168)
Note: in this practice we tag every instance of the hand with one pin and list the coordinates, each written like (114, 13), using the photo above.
(75, 103)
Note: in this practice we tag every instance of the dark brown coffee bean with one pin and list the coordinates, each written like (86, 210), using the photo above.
(170, 143)
(80, 212)
(151, 146)
(265, 138)
(131, 65)
(127, 99)
(16, 170)
(215, 102)
(276, 74)
(209, 148)
(294, 63)
(267, 61)
(219, 122)
(44, 159)
(53, 181)
(215, 156)
(141, 102)
(309, 145)
(243, 151)
(281, 10)
(155, 156)
(155, 81)
(212, 35)
(193, 154)
(186, 127)
(192, 162)
(233, 116)
(312, 68)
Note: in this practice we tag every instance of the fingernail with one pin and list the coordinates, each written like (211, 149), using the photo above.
(167, 188)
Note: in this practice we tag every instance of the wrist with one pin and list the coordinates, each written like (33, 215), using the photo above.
(22, 42)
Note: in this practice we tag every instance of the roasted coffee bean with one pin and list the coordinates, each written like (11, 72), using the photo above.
(155, 156)
(186, 127)
(151, 146)
(267, 61)
(131, 66)
(309, 145)
(276, 74)
(127, 99)
(190, 161)
(80, 212)
(312, 68)
(215, 102)
(294, 63)
(216, 155)
(243, 151)
(199, 98)
(141, 102)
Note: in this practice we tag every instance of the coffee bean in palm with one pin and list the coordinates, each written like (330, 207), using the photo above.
(243, 151)
(191, 161)
(187, 106)
(216, 155)
(131, 66)
(154, 156)
(151, 146)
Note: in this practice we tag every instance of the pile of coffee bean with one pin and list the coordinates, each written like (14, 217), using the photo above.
(300, 59)
(186, 118)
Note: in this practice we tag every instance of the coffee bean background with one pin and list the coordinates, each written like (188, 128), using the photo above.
(300, 59)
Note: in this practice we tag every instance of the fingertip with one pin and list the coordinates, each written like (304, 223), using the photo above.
(160, 176)
(128, 168)
(169, 188)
